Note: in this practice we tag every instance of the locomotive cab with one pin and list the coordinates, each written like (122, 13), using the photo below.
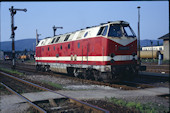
(123, 51)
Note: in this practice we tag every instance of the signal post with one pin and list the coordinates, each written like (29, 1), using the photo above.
(13, 28)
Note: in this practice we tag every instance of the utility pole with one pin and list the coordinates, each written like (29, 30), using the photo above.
(37, 35)
(152, 49)
(33, 47)
(13, 28)
(55, 28)
(139, 34)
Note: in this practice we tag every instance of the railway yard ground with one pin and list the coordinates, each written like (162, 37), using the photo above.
(151, 95)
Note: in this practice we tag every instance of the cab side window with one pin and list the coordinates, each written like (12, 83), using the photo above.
(102, 31)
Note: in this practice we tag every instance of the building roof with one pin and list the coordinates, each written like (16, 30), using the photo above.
(165, 37)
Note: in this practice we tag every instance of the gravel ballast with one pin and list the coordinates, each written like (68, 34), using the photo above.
(80, 90)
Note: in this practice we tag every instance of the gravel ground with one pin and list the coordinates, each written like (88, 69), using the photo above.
(11, 107)
(53, 79)
(95, 91)
(80, 90)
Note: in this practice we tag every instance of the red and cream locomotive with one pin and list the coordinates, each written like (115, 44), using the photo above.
(104, 52)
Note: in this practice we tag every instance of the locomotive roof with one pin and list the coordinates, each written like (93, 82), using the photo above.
(102, 24)
(79, 34)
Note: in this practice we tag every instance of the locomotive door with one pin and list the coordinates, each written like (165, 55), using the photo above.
(72, 53)
(80, 52)
(85, 51)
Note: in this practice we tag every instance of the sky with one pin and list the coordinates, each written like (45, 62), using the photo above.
(72, 16)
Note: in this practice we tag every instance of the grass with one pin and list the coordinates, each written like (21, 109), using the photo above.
(19, 73)
(143, 108)
(26, 61)
(11, 71)
(29, 61)
(59, 86)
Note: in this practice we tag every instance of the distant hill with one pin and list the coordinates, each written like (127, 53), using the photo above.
(21, 45)
(147, 42)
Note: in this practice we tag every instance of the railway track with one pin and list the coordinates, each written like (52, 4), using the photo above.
(141, 82)
(120, 85)
(69, 104)
(136, 84)
(24, 98)
(116, 85)
(124, 85)
(156, 77)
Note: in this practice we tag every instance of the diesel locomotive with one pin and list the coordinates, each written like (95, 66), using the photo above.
(104, 52)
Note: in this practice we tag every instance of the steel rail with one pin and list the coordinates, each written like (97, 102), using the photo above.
(93, 108)
(26, 99)
(142, 85)
(123, 87)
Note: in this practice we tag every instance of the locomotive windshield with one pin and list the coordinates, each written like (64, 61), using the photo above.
(115, 30)
(128, 31)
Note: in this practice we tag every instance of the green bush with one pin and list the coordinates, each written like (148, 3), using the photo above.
(143, 108)
(121, 102)
(131, 104)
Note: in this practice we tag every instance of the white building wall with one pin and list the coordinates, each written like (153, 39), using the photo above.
(158, 48)
(166, 51)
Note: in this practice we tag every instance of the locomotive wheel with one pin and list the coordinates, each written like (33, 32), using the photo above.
(70, 71)
(43, 69)
(37, 68)
(134, 73)
(96, 75)
(129, 74)
(88, 74)
(47, 68)
(75, 73)
(106, 77)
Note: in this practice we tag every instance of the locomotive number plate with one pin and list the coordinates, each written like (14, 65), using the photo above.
(123, 48)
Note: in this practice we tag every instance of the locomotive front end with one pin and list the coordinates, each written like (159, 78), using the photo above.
(122, 49)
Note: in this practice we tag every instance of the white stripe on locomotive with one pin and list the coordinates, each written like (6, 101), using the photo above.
(89, 58)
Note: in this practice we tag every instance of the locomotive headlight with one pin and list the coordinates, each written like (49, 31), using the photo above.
(133, 59)
(133, 54)
(112, 55)
(112, 61)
